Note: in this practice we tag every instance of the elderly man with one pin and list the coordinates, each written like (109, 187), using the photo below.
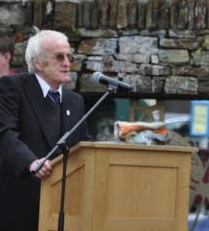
(31, 122)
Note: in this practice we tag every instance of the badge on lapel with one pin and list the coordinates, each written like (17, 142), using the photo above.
(68, 112)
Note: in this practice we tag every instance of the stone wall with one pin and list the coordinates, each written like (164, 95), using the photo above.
(160, 46)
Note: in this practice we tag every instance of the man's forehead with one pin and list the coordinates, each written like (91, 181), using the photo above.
(56, 45)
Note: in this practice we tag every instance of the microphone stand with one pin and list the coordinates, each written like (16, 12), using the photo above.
(62, 148)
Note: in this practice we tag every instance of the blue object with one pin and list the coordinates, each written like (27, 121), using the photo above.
(202, 223)
(199, 122)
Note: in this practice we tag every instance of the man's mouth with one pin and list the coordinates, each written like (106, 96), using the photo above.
(65, 72)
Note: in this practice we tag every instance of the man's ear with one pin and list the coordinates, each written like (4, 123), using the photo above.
(37, 64)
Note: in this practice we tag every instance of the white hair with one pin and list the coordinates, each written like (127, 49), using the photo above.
(35, 45)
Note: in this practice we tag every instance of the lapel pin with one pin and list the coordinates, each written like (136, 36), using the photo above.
(68, 112)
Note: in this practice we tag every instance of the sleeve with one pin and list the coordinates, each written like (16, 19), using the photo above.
(14, 153)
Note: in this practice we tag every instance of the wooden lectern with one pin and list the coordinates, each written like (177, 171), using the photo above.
(119, 187)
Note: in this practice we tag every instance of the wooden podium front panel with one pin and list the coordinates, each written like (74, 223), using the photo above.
(114, 187)
(141, 190)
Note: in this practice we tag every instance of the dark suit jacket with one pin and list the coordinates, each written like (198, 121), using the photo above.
(24, 132)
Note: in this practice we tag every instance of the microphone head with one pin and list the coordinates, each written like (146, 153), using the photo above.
(96, 76)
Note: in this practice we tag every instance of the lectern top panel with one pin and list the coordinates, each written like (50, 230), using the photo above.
(123, 145)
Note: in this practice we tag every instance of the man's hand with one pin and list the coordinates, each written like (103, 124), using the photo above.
(44, 171)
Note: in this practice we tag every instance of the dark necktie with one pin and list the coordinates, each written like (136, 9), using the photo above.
(54, 96)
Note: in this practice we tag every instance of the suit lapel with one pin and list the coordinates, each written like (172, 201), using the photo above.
(67, 112)
(37, 101)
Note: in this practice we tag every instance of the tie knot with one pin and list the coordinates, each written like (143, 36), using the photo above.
(54, 96)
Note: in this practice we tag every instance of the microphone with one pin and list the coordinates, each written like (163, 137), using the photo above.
(103, 79)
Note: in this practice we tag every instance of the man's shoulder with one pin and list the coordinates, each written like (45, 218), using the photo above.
(17, 79)
(72, 95)
(22, 74)
(18, 75)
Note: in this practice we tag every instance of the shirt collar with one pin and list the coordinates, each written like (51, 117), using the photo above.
(45, 87)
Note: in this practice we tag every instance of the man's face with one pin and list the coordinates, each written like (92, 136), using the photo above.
(4, 63)
(54, 67)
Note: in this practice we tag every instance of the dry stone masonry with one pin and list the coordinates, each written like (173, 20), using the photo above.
(160, 46)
